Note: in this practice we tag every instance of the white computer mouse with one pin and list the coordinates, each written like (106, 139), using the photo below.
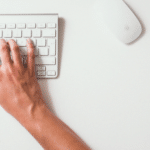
(119, 18)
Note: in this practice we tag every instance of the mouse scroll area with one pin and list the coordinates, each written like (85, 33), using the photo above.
(118, 17)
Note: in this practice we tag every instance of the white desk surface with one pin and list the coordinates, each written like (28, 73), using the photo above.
(103, 90)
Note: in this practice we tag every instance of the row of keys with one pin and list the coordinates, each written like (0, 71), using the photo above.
(36, 42)
(27, 33)
(41, 70)
(41, 51)
(45, 61)
(40, 61)
(49, 73)
(28, 25)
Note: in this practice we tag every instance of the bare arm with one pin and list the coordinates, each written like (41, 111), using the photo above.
(21, 96)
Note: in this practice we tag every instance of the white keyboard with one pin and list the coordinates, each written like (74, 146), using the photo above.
(43, 31)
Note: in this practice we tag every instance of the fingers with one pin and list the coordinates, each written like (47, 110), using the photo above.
(31, 57)
(17, 59)
(5, 53)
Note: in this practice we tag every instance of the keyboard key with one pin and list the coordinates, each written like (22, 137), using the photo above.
(43, 51)
(41, 68)
(52, 43)
(31, 25)
(41, 73)
(2, 26)
(1, 33)
(51, 25)
(45, 61)
(7, 33)
(27, 33)
(48, 33)
(23, 50)
(51, 73)
(21, 25)
(11, 26)
(17, 33)
(36, 33)
(41, 42)
(21, 42)
(41, 25)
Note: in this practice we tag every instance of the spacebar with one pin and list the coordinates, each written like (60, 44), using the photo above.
(45, 61)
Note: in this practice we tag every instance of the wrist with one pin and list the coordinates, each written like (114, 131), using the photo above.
(32, 122)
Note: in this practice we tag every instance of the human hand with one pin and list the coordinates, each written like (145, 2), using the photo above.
(20, 93)
(21, 96)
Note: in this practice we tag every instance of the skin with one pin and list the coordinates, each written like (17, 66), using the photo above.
(21, 96)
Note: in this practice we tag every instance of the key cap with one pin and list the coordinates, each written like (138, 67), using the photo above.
(43, 51)
(1, 33)
(41, 25)
(48, 33)
(17, 33)
(41, 42)
(41, 73)
(2, 26)
(51, 73)
(27, 33)
(41, 68)
(31, 25)
(11, 26)
(36, 33)
(21, 25)
(51, 25)
(21, 42)
(23, 50)
(7, 33)
(52, 43)
(45, 61)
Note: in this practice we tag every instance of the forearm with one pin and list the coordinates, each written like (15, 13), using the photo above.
(51, 132)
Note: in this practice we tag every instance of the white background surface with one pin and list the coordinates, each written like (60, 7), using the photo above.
(103, 90)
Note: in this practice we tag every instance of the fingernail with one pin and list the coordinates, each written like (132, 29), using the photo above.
(29, 40)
